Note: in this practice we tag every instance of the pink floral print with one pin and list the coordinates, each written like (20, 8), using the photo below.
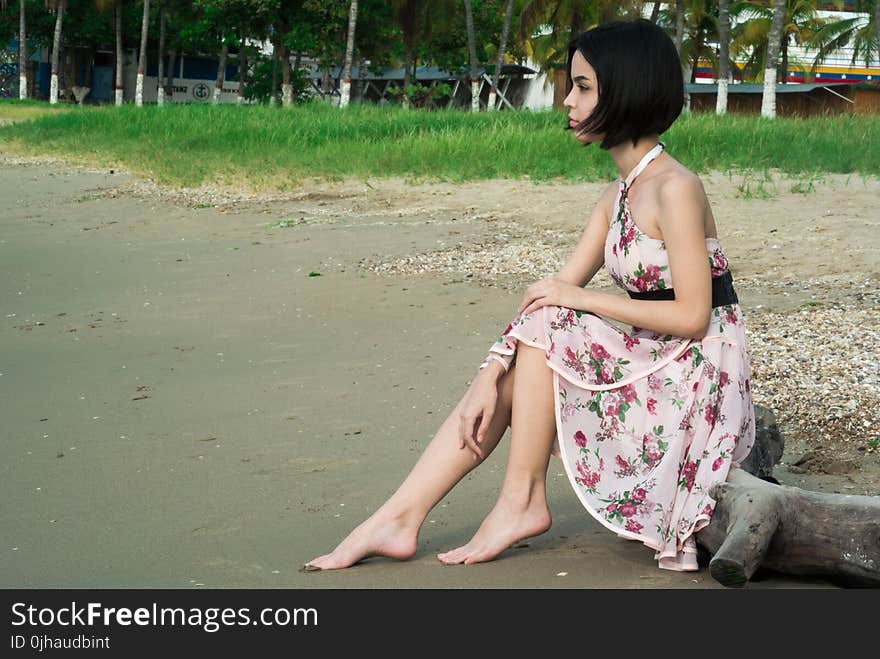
(645, 423)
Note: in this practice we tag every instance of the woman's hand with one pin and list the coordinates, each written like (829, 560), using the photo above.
(552, 291)
(478, 409)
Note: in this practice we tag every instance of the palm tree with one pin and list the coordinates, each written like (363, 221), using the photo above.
(723, 55)
(830, 36)
(142, 56)
(221, 72)
(22, 50)
(160, 74)
(119, 55)
(472, 56)
(500, 60)
(565, 18)
(59, 6)
(680, 13)
(407, 12)
(774, 39)
(679, 24)
(349, 54)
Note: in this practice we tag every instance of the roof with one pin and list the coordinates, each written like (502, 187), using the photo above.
(422, 72)
(751, 88)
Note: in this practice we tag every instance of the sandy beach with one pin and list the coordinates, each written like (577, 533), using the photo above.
(185, 405)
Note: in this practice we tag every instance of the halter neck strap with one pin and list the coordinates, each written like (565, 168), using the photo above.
(647, 158)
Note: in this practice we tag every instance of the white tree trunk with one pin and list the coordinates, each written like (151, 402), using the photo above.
(472, 56)
(345, 88)
(56, 48)
(160, 82)
(723, 56)
(22, 52)
(142, 57)
(117, 85)
(221, 74)
(344, 93)
(721, 100)
(774, 42)
(274, 88)
(286, 87)
(768, 100)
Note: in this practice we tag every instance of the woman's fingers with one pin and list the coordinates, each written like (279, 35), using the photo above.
(468, 426)
(484, 425)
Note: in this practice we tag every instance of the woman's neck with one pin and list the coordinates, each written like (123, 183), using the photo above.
(626, 156)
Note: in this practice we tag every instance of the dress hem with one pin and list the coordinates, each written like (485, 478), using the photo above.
(672, 356)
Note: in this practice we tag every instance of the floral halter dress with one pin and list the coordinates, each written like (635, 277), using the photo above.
(645, 423)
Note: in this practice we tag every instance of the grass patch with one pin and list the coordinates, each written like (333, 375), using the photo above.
(18, 110)
(268, 148)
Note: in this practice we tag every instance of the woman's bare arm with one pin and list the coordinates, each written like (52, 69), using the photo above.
(681, 210)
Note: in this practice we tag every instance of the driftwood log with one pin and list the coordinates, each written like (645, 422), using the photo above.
(759, 523)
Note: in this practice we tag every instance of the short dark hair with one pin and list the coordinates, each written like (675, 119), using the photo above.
(641, 89)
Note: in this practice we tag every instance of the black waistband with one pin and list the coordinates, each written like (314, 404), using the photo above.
(722, 292)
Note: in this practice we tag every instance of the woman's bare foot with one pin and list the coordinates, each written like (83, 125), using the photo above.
(505, 524)
(380, 535)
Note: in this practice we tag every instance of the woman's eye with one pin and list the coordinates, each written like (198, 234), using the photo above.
(586, 89)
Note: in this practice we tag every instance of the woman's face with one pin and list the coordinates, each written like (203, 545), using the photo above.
(583, 97)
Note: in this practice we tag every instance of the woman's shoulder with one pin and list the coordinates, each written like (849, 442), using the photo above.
(608, 197)
(677, 185)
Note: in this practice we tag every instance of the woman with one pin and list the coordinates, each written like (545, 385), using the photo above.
(645, 422)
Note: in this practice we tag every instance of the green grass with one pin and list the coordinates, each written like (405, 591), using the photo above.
(17, 110)
(273, 148)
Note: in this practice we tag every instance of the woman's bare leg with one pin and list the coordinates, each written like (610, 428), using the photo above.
(521, 510)
(393, 529)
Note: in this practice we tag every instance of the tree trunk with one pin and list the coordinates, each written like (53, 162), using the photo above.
(493, 90)
(345, 90)
(723, 56)
(406, 67)
(117, 85)
(655, 12)
(326, 85)
(760, 524)
(169, 81)
(784, 73)
(774, 39)
(56, 51)
(472, 56)
(286, 87)
(362, 76)
(142, 56)
(242, 73)
(679, 40)
(160, 87)
(221, 73)
(273, 91)
(679, 25)
(22, 52)
(698, 46)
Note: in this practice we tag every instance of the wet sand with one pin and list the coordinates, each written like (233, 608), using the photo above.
(184, 406)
